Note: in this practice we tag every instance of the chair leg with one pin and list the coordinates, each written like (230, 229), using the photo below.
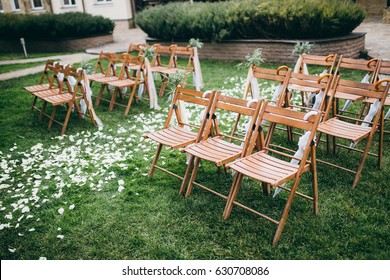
(159, 147)
(163, 86)
(53, 112)
(314, 180)
(266, 188)
(187, 174)
(43, 110)
(113, 99)
(66, 119)
(193, 176)
(286, 210)
(362, 161)
(130, 100)
(381, 136)
(232, 195)
(33, 104)
(99, 96)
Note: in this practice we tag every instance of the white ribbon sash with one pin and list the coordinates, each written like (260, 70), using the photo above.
(197, 74)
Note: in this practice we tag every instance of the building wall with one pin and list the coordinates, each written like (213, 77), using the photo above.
(115, 10)
(373, 7)
(26, 7)
(59, 8)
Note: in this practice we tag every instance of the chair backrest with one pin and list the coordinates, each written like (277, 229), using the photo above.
(362, 67)
(316, 85)
(74, 79)
(202, 100)
(104, 58)
(136, 49)
(45, 73)
(223, 107)
(186, 54)
(326, 63)
(383, 69)
(265, 77)
(127, 60)
(307, 122)
(161, 50)
(379, 91)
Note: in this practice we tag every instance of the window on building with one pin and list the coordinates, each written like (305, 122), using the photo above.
(69, 2)
(103, 1)
(37, 4)
(15, 5)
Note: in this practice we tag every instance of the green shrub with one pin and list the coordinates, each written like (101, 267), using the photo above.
(50, 26)
(277, 19)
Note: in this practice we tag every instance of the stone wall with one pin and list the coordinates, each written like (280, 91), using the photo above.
(386, 15)
(277, 51)
(56, 45)
(373, 7)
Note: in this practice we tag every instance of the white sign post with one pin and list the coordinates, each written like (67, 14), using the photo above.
(24, 46)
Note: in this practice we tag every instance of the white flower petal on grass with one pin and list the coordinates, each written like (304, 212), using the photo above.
(61, 211)
(31, 229)
(25, 209)
(42, 258)
(121, 182)
(121, 188)
(12, 250)
(60, 236)
(59, 228)
(71, 207)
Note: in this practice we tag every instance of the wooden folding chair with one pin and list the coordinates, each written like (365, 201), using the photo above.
(313, 65)
(126, 80)
(179, 135)
(103, 67)
(269, 77)
(382, 72)
(55, 86)
(69, 97)
(351, 129)
(46, 78)
(271, 167)
(365, 71)
(164, 69)
(218, 149)
(318, 86)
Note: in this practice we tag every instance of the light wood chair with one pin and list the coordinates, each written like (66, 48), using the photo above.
(365, 71)
(126, 80)
(269, 77)
(55, 86)
(164, 69)
(383, 72)
(111, 74)
(177, 132)
(218, 149)
(274, 167)
(350, 128)
(310, 64)
(69, 96)
(102, 67)
(46, 77)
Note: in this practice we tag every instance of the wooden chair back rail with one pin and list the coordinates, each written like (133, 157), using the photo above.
(371, 66)
(361, 89)
(192, 99)
(291, 122)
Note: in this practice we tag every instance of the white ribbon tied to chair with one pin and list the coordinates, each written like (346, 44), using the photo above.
(153, 100)
(197, 74)
(252, 81)
(381, 76)
(302, 143)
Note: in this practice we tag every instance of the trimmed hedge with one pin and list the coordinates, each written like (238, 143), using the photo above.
(252, 19)
(53, 26)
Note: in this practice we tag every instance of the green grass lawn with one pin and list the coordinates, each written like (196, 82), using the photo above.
(86, 195)
(19, 66)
